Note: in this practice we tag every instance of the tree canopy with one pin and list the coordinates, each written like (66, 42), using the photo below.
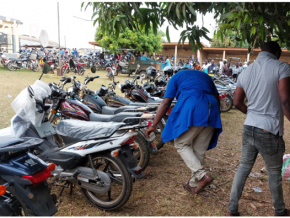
(127, 38)
(229, 41)
(253, 22)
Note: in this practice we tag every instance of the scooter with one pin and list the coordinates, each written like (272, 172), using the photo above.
(23, 186)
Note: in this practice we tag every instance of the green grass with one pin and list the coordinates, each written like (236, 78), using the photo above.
(13, 82)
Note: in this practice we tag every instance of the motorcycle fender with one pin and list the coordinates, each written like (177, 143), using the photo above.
(6, 206)
(127, 158)
(37, 198)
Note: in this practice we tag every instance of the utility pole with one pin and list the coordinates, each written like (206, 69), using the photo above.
(59, 73)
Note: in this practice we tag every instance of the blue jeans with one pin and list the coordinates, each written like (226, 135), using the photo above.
(271, 147)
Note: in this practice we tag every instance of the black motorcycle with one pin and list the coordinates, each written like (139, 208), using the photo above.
(25, 62)
(23, 186)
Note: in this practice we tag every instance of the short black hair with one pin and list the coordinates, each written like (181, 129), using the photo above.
(272, 47)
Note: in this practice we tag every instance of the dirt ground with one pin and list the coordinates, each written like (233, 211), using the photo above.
(161, 193)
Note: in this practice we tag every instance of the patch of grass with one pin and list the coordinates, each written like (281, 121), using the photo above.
(161, 193)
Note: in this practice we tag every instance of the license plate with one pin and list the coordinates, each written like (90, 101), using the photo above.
(152, 137)
(52, 66)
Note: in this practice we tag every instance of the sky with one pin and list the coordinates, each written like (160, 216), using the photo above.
(37, 15)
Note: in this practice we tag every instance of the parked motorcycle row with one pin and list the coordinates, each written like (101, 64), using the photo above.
(66, 135)
(25, 61)
(73, 138)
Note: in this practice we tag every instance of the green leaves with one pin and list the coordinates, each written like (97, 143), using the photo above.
(252, 22)
(253, 30)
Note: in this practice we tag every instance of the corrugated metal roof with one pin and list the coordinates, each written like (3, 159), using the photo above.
(34, 42)
(10, 19)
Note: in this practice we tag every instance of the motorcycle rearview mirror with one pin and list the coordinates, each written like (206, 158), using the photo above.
(46, 69)
(93, 69)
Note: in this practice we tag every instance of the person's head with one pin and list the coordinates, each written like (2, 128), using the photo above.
(240, 64)
(187, 61)
(225, 61)
(212, 62)
(206, 61)
(166, 57)
(272, 47)
(248, 63)
(237, 64)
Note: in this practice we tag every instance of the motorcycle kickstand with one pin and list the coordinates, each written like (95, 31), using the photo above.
(60, 193)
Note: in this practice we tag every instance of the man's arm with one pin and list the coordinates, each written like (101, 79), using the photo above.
(162, 109)
(284, 93)
(239, 100)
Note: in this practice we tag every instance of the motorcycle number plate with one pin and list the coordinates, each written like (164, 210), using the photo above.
(152, 137)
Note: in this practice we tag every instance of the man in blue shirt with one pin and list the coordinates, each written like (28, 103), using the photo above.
(187, 64)
(194, 122)
(167, 64)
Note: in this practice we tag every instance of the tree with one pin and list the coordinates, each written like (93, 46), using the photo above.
(253, 23)
(229, 41)
(130, 39)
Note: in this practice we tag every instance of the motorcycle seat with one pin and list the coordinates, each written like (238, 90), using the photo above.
(154, 100)
(112, 110)
(9, 143)
(116, 118)
(8, 140)
(84, 130)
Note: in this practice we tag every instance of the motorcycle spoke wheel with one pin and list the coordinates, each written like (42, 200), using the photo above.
(158, 139)
(121, 184)
(141, 153)
(226, 104)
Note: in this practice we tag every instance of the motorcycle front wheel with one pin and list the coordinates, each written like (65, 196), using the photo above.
(226, 104)
(121, 183)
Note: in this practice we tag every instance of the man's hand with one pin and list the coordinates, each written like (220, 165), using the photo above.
(149, 130)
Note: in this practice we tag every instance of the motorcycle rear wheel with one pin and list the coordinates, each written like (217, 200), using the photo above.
(141, 153)
(158, 139)
(10, 66)
(121, 183)
(20, 208)
(111, 77)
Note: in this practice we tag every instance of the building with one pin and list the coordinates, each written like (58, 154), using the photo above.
(34, 42)
(9, 40)
(184, 52)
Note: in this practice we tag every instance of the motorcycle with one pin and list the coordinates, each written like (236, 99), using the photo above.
(23, 186)
(4, 61)
(96, 156)
(23, 63)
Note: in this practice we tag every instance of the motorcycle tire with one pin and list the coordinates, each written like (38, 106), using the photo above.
(81, 71)
(111, 77)
(10, 66)
(121, 183)
(35, 68)
(21, 210)
(226, 104)
(158, 139)
(141, 153)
